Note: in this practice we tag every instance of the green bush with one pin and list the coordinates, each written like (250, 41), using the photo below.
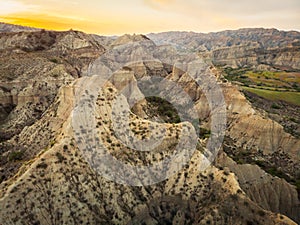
(60, 157)
(293, 119)
(52, 143)
(42, 165)
(261, 213)
(165, 109)
(15, 155)
(275, 106)
(205, 132)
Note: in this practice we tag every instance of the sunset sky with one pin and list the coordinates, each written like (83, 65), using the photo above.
(144, 16)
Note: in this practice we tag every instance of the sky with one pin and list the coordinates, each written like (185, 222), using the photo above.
(116, 17)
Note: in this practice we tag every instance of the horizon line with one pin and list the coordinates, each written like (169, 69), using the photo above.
(156, 32)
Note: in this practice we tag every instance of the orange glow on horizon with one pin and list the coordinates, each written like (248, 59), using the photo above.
(116, 17)
(55, 23)
(101, 26)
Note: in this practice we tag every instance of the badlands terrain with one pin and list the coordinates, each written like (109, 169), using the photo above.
(75, 108)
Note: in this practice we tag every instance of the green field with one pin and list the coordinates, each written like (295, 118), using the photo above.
(274, 79)
(287, 96)
(278, 80)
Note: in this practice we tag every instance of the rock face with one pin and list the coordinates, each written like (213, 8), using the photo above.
(35, 65)
(127, 38)
(60, 187)
(272, 193)
(244, 47)
(4, 27)
(252, 129)
(279, 58)
(67, 101)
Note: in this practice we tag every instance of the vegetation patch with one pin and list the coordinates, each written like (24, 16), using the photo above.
(272, 80)
(290, 97)
(16, 155)
(164, 109)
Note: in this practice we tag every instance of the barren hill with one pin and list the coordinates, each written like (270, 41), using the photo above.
(5, 27)
(245, 47)
(76, 107)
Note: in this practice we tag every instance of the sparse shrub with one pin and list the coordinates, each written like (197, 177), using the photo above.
(204, 132)
(25, 49)
(226, 173)
(234, 197)
(43, 42)
(261, 213)
(281, 217)
(275, 106)
(54, 60)
(16, 155)
(60, 157)
(39, 48)
(52, 143)
(127, 68)
(239, 191)
(42, 165)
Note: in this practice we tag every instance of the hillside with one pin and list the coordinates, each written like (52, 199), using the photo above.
(86, 137)
(5, 27)
(265, 62)
(253, 47)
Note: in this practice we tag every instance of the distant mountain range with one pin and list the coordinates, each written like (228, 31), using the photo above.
(5, 27)
(258, 47)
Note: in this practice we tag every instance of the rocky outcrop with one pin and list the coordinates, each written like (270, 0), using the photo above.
(271, 193)
(252, 129)
(5, 27)
(251, 37)
(58, 186)
(127, 38)
(47, 40)
(280, 58)
(243, 47)
(67, 118)
(34, 65)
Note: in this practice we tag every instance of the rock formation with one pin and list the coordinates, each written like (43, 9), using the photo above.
(69, 99)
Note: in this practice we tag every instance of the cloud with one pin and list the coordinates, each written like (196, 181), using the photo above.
(162, 1)
(58, 22)
(253, 7)
(159, 4)
(232, 14)
(118, 16)
(13, 6)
